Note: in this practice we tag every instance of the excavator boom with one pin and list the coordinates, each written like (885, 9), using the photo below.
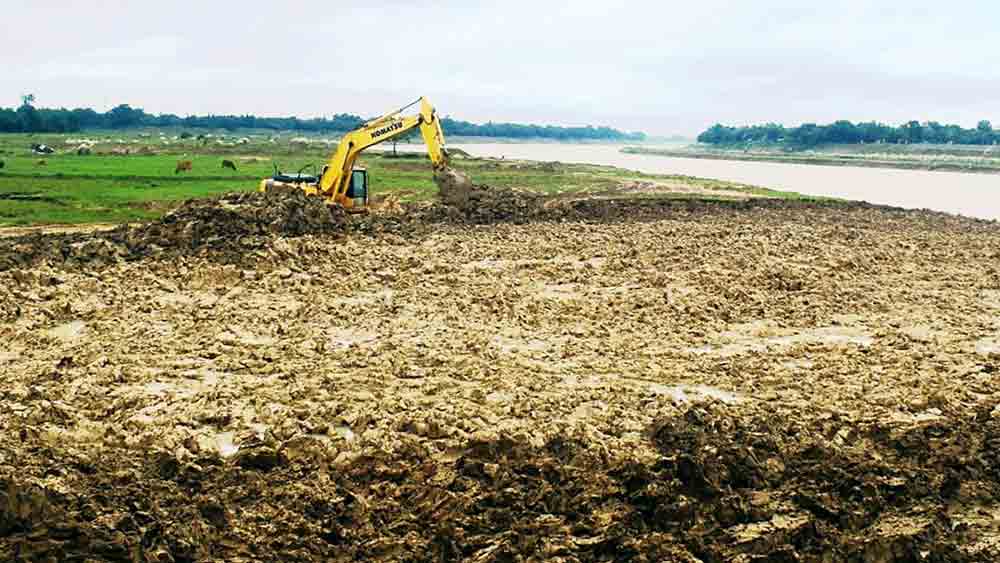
(339, 182)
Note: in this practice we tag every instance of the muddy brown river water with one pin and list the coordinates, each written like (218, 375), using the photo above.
(972, 195)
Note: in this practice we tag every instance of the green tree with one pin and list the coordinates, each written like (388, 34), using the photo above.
(913, 132)
(842, 132)
(807, 135)
(124, 116)
(8, 121)
(29, 119)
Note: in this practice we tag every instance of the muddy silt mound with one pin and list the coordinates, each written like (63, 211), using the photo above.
(220, 220)
(228, 225)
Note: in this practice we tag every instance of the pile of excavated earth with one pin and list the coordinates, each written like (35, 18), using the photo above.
(257, 378)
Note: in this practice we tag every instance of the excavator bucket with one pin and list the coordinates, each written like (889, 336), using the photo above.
(454, 187)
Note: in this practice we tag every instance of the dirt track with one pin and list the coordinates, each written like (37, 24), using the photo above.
(714, 382)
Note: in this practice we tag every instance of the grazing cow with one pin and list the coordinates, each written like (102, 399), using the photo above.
(41, 149)
(183, 166)
(229, 164)
(83, 150)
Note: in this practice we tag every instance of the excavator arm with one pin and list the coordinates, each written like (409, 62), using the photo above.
(335, 182)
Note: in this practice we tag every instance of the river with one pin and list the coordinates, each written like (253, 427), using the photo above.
(972, 195)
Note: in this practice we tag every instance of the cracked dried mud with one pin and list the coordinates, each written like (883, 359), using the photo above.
(598, 381)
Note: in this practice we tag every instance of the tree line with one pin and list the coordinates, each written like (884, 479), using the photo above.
(520, 131)
(846, 132)
(29, 119)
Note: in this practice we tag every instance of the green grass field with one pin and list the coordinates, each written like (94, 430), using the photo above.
(106, 188)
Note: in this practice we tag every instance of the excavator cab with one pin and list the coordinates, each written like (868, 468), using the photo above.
(355, 199)
(357, 190)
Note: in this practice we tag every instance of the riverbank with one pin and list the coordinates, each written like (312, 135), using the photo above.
(959, 161)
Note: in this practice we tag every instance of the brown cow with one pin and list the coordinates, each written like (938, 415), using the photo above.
(183, 166)
(229, 164)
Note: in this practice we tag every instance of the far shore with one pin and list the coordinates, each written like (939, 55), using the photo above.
(932, 162)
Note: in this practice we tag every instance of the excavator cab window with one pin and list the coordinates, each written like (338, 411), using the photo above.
(358, 190)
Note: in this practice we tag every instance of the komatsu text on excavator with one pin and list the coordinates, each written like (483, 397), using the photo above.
(342, 182)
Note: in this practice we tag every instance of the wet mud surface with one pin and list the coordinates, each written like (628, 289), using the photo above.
(597, 381)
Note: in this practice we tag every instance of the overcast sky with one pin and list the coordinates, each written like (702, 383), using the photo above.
(660, 67)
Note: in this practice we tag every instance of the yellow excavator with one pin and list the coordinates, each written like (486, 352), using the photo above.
(341, 181)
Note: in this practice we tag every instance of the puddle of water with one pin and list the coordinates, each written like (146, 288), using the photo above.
(68, 332)
(695, 393)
